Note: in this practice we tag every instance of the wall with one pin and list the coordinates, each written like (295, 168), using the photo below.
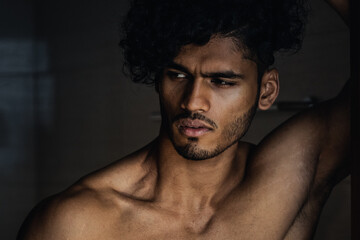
(17, 165)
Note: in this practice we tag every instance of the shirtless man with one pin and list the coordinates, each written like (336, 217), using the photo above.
(197, 180)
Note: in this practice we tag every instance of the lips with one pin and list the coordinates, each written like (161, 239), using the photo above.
(193, 128)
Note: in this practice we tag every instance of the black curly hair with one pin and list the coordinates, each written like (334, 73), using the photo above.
(153, 32)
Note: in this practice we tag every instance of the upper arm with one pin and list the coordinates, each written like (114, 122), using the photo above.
(311, 149)
(332, 166)
(333, 162)
(295, 167)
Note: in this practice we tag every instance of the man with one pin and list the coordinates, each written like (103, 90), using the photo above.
(211, 65)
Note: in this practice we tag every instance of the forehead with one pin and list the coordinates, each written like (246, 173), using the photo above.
(220, 53)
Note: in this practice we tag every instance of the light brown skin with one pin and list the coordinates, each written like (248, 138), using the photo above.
(271, 191)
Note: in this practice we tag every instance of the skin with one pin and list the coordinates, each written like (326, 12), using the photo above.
(271, 191)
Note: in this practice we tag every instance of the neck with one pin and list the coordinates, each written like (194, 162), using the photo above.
(194, 185)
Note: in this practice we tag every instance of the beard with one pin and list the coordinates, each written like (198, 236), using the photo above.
(231, 134)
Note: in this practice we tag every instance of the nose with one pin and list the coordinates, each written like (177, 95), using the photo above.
(195, 97)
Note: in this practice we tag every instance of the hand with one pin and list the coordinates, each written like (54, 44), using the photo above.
(342, 8)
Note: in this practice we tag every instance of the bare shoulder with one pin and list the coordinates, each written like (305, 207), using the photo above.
(95, 203)
(68, 215)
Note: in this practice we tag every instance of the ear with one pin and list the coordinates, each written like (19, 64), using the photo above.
(269, 88)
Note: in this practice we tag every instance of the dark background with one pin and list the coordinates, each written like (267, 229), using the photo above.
(66, 109)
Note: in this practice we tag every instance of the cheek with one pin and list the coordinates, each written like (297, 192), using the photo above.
(232, 105)
(241, 98)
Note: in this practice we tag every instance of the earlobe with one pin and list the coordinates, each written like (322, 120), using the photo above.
(269, 89)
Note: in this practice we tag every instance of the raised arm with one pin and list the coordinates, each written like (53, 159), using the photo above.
(306, 157)
(342, 8)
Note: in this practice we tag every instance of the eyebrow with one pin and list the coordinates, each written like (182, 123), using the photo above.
(222, 74)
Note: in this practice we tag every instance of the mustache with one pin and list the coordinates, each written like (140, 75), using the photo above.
(194, 116)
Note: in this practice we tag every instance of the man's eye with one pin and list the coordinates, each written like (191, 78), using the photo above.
(176, 75)
(222, 83)
(180, 75)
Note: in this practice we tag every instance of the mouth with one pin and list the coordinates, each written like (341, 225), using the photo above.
(193, 128)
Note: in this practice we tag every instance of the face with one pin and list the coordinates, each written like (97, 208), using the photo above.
(208, 97)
